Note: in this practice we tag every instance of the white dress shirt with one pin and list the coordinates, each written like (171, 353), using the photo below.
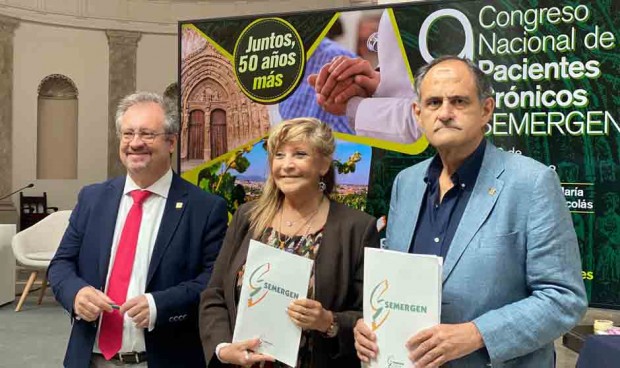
(388, 113)
(152, 213)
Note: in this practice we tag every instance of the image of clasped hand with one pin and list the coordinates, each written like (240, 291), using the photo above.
(295, 214)
(342, 79)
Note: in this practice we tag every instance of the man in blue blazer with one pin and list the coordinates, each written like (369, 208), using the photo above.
(512, 271)
(133, 294)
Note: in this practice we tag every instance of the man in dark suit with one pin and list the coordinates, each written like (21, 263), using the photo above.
(138, 251)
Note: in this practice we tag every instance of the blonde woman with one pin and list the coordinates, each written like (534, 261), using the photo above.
(295, 213)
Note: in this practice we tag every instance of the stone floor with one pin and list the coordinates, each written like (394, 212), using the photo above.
(37, 336)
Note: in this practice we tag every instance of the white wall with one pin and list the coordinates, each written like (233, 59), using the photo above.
(81, 55)
(157, 62)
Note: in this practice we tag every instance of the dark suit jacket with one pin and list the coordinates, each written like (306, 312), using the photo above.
(339, 272)
(189, 239)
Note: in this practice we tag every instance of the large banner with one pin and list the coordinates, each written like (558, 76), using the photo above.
(554, 66)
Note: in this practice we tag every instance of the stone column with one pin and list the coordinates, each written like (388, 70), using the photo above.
(122, 81)
(8, 215)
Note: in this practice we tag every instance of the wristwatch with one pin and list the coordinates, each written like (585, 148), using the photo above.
(332, 330)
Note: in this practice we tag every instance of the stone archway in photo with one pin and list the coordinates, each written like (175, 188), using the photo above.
(208, 85)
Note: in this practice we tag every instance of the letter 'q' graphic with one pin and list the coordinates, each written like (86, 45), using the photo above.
(379, 312)
(468, 47)
(257, 292)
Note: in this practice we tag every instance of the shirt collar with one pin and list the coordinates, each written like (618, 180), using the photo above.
(466, 175)
(160, 187)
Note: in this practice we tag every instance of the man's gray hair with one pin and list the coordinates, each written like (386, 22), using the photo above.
(171, 121)
(483, 84)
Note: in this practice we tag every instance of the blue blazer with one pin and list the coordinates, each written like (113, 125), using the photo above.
(513, 267)
(188, 242)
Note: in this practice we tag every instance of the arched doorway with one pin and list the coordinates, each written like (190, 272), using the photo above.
(218, 133)
(57, 128)
(196, 136)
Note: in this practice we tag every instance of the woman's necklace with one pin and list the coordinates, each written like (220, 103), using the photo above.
(290, 223)
(308, 222)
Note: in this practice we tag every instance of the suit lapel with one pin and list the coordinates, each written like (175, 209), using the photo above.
(411, 214)
(410, 202)
(175, 207)
(107, 212)
(485, 193)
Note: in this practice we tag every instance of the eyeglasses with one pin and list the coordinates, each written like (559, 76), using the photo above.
(146, 137)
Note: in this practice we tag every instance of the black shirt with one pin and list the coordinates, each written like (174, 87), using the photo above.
(438, 220)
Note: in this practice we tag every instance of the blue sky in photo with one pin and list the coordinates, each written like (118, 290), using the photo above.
(259, 167)
(345, 149)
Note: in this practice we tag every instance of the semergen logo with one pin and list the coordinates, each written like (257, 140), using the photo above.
(257, 293)
(382, 307)
(379, 313)
(260, 287)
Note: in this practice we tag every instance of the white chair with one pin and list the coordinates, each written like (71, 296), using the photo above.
(35, 247)
(7, 264)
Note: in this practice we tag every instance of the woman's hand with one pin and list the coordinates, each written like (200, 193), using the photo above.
(243, 353)
(310, 315)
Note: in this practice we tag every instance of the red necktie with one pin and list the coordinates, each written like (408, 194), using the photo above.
(111, 332)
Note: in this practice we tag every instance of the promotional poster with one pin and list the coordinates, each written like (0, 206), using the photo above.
(553, 66)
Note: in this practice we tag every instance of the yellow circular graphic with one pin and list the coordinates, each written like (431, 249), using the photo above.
(269, 60)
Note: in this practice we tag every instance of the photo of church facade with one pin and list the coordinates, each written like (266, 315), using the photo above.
(216, 116)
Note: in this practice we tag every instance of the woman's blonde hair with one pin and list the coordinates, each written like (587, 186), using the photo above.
(309, 130)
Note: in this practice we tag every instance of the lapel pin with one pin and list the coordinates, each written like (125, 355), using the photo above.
(492, 191)
(179, 205)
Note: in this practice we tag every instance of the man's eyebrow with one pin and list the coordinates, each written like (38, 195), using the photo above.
(462, 97)
(432, 98)
(451, 97)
